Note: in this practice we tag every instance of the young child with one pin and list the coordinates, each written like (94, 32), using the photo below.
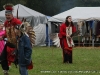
(24, 50)
(2, 34)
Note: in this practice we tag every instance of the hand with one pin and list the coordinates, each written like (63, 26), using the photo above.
(68, 36)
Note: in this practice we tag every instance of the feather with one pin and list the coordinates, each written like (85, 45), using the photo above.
(55, 39)
(8, 6)
(32, 41)
(29, 30)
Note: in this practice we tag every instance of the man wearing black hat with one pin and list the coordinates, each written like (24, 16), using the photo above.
(10, 23)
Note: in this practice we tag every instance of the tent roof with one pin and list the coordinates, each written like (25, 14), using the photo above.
(79, 13)
(24, 11)
(30, 15)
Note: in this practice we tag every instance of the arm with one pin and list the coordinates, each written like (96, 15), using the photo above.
(2, 34)
(28, 49)
(17, 22)
(62, 31)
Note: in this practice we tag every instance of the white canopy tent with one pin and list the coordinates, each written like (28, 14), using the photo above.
(36, 19)
(78, 14)
(31, 16)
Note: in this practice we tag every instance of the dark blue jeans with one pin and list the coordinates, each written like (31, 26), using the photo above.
(23, 70)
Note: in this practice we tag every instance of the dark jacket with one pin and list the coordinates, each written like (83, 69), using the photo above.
(24, 51)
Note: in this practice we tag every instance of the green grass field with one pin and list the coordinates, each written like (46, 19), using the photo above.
(48, 61)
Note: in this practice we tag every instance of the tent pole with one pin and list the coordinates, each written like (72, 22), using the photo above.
(93, 37)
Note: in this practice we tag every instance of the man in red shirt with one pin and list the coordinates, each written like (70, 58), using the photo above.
(10, 46)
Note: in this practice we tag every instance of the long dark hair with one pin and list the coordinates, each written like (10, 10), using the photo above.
(67, 23)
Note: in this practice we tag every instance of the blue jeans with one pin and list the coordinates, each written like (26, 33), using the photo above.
(23, 70)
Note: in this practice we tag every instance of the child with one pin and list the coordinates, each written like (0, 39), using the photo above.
(2, 34)
(24, 49)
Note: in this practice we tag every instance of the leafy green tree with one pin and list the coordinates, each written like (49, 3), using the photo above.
(2, 2)
(67, 4)
(88, 3)
(51, 7)
(47, 7)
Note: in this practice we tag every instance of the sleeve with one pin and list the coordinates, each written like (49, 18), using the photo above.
(62, 30)
(4, 33)
(17, 22)
(28, 49)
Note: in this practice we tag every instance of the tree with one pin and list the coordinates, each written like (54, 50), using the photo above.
(47, 7)
(2, 2)
(67, 4)
(88, 3)
(51, 7)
